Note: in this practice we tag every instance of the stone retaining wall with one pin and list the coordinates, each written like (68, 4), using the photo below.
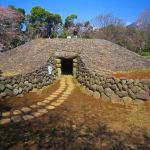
(112, 88)
(12, 86)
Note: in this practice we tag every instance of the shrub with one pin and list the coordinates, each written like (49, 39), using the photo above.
(64, 34)
(16, 42)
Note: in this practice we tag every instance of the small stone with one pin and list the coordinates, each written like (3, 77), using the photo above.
(119, 86)
(4, 121)
(90, 92)
(131, 94)
(94, 87)
(34, 106)
(143, 96)
(3, 94)
(115, 99)
(46, 101)
(15, 91)
(20, 90)
(60, 101)
(117, 80)
(26, 83)
(49, 98)
(26, 109)
(9, 92)
(122, 93)
(135, 89)
(41, 104)
(107, 85)
(2, 87)
(130, 81)
(138, 101)
(53, 96)
(104, 97)
(145, 87)
(42, 111)
(16, 112)
(9, 86)
(136, 82)
(37, 114)
(113, 87)
(55, 104)
(5, 114)
(124, 87)
(108, 92)
(50, 107)
(27, 117)
(63, 98)
(123, 81)
(16, 118)
(127, 100)
(96, 95)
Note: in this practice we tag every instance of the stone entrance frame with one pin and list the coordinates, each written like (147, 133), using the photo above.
(59, 57)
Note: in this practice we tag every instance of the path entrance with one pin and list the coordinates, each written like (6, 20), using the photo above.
(67, 66)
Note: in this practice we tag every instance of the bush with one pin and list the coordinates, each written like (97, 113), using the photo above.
(64, 34)
(147, 48)
(16, 42)
(122, 42)
(53, 34)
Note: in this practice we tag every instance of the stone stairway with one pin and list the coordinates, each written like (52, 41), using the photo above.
(42, 107)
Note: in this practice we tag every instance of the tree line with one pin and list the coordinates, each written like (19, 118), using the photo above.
(17, 27)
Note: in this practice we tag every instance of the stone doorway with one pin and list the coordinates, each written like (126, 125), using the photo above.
(67, 66)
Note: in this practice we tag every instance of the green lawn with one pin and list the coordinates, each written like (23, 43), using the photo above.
(144, 54)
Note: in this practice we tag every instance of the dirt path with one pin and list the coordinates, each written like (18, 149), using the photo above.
(64, 117)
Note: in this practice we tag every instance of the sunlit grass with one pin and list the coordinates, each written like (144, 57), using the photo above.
(144, 54)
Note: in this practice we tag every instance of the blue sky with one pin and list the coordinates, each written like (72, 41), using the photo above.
(128, 10)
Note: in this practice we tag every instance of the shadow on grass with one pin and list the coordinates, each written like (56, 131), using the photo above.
(69, 137)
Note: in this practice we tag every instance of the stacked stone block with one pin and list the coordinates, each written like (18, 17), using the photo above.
(12, 86)
(58, 66)
(113, 89)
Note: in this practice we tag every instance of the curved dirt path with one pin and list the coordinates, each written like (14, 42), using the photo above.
(40, 108)
(64, 117)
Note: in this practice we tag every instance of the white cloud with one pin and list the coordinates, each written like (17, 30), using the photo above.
(128, 23)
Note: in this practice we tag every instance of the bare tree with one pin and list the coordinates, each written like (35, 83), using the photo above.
(143, 20)
(105, 20)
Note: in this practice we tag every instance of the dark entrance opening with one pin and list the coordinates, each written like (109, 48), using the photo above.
(66, 66)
